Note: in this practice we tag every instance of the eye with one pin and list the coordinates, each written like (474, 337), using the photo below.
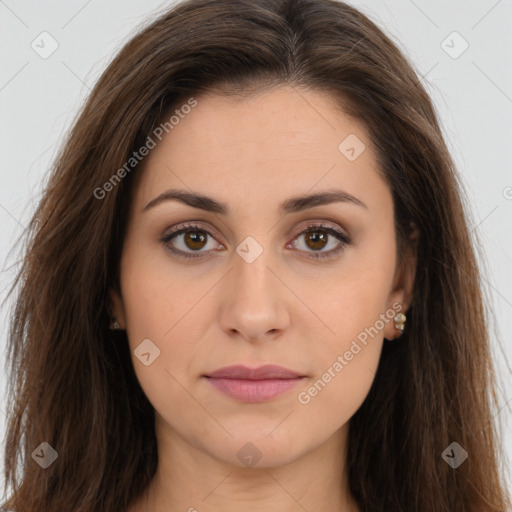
(317, 237)
(192, 238)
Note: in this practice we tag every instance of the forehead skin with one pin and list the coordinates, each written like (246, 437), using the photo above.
(255, 152)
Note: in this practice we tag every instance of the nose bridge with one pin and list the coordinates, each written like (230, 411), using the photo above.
(251, 269)
(254, 305)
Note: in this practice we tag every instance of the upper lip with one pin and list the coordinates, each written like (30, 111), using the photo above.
(268, 371)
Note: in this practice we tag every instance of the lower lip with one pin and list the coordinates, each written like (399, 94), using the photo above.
(253, 390)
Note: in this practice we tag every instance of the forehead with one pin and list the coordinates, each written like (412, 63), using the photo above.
(272, 145)
(297, 121)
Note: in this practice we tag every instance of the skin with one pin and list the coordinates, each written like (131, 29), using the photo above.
(285, 307)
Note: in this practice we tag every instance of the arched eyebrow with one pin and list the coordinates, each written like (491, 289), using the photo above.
(291, 205)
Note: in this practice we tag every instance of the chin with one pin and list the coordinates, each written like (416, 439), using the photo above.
(256, 449)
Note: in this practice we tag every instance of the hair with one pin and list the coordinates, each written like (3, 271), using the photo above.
(71, 378)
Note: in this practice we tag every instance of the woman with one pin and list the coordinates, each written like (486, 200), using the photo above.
(250, 283)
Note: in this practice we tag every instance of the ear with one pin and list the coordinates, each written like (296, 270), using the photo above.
(116, 307)
(403, 282)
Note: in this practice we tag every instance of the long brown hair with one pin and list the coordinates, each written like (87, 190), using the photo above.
(71, 380)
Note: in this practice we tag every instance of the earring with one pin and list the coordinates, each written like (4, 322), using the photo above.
(115, 324)
(400, 320)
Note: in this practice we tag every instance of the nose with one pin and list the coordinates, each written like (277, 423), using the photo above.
(254, 306)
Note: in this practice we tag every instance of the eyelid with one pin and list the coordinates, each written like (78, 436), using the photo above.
(189, 225)
(211, 230)
(320, 224)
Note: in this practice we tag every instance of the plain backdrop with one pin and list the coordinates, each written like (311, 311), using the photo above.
(467, 73)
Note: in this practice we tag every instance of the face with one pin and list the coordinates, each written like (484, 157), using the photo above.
(311, 286)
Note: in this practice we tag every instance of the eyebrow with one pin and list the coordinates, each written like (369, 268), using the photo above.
(292, 205)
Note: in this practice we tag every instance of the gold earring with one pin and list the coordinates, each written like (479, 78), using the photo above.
(400, 320)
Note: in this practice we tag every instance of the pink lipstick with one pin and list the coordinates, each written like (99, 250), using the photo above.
(254, 384)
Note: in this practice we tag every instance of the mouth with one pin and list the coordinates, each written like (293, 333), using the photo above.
(254, 384)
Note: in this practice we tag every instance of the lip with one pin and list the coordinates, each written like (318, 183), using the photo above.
(267, 371)
(254, 384)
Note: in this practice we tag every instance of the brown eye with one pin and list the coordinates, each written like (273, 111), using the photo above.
(195, 240)
(317, 237)
(316, 240)
(185, 240)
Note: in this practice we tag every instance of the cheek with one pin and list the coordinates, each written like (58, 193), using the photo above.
(354, 310)
(160, 307)
(153, 295)
(337, 393)
(347, 358)
(155, 311)
(355, 295)
(146, 303)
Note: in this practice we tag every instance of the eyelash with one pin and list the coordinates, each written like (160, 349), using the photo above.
(311, 228)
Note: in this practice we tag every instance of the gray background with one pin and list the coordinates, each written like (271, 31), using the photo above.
(472, 92)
